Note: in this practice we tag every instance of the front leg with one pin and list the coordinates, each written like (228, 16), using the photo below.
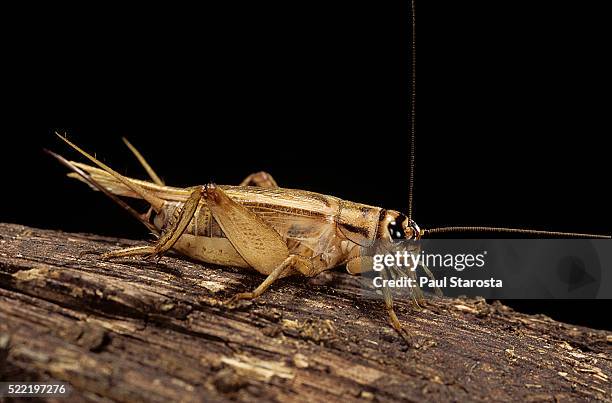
(358, 264)
(397, 325)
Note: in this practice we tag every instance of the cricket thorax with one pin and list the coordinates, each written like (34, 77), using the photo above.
(358, 222)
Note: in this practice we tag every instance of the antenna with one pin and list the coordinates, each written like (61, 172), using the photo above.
(412, 110)
(454, 229)
(501, 230)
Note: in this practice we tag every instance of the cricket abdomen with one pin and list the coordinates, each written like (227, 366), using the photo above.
(210, 250)
(203, 224)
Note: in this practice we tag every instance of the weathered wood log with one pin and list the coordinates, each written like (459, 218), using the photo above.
(132, 330)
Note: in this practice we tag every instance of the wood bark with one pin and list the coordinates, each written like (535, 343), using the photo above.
(134, 330)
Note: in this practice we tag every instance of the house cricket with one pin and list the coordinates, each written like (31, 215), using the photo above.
(258, 225)
(275, 231)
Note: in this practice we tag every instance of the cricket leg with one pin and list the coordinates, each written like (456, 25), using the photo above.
(256, 242)
(392, 316)
(415, 292)
(431, 277)
(177, 225)
(261, 179)
(292, 263)
(131, 251)
(360, 264)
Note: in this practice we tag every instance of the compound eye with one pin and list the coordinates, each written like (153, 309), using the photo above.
(396, 231)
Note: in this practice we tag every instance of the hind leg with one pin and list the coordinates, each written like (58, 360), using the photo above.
(255, 241)
(168, 238)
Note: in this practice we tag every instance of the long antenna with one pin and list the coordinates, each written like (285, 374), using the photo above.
(412, 110)
(455, 229)
(447, 230)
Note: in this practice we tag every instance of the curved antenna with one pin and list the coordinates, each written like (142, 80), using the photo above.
(501, 230)
(455, 229)
(412, 111)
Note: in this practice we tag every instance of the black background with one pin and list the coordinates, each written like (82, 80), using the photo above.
(510, 121)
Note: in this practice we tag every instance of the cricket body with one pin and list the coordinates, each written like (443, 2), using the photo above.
(258, 225)
(324, 230)
(277, 232)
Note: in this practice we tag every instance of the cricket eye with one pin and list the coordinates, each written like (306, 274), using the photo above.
(396, 231)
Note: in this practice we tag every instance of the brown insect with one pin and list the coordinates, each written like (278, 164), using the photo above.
(278, 232)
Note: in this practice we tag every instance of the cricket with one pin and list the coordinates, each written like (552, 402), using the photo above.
(276, 231)
(258, 225)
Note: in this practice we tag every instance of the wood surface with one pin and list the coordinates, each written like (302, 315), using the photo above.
(133, 330)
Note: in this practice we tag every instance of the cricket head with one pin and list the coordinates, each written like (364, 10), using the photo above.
(394, 225)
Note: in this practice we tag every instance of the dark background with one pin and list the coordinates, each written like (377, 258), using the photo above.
(510, 124)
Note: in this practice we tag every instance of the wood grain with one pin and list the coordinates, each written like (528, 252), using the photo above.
(132, 330)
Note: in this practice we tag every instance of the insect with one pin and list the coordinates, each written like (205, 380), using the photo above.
(258, 225)
(278, 232)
